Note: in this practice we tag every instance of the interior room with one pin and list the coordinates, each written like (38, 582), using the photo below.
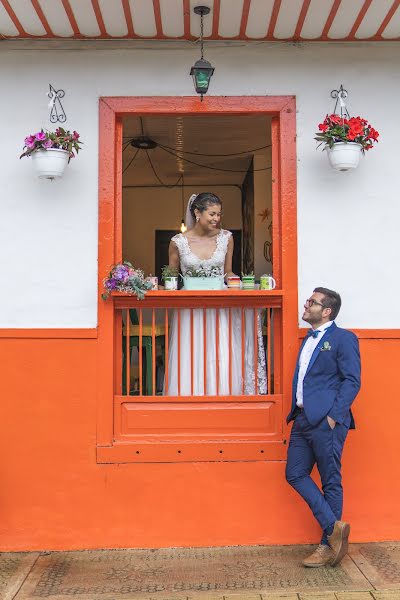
(167, 159)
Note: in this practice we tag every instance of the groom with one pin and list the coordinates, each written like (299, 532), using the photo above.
(326, 381)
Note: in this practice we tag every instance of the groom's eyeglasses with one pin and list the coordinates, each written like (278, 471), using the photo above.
(311, 302)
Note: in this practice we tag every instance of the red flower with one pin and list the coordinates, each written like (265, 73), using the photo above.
(356, 128)
(356, 124)
(323, 127)
(373, 134)
(335, 119)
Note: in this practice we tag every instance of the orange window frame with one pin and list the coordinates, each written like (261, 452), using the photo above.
(282, 109)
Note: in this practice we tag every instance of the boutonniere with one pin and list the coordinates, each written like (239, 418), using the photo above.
(326, 347)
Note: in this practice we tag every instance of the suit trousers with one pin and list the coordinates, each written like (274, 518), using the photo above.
(323, 446)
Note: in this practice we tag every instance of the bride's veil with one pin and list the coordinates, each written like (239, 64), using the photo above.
(189, 219)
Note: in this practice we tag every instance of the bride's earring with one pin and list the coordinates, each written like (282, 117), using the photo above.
(197, 219)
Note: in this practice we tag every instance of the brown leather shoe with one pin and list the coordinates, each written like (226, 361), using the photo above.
(339, 541)
(321, 557)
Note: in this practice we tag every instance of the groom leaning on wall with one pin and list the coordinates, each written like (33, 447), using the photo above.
(325, 384)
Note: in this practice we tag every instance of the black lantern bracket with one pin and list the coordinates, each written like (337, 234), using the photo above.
(57, 112)
(202, 69)
(340, 96)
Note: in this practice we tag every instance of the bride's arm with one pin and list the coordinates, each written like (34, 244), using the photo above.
(173, 255)
(228, 258)
(173, 258)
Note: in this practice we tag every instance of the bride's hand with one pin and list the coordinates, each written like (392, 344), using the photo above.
(230, 274)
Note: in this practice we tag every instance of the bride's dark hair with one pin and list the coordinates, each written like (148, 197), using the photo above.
(203, 201)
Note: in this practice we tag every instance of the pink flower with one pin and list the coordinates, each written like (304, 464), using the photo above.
(47, 144)
(30, 141)
(40, 137)
(76, 135)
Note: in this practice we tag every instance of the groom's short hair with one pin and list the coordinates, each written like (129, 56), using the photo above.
(332, 300)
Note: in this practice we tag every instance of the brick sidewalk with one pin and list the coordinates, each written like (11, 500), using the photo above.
(369, 572)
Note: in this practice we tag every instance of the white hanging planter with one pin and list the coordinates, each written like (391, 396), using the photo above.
(344, 156)
(51, 163)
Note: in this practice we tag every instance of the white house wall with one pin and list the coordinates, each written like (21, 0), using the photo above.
(347, 222)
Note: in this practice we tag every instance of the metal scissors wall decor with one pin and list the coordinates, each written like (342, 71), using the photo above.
(57, 112)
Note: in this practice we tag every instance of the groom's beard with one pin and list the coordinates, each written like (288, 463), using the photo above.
(312, 319)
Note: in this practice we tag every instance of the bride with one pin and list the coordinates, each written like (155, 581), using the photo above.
(206, 245)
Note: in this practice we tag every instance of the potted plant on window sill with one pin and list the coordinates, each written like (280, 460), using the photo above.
(170, 277)
(206, 277)
(51, 151)
(345, 140)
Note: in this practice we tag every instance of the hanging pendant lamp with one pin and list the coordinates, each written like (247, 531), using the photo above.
(202, 70)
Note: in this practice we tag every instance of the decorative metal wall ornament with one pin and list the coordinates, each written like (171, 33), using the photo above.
(57, 112)
(202, 70)
(340, 96)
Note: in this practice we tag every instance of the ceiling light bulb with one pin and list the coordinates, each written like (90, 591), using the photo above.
(183, 227)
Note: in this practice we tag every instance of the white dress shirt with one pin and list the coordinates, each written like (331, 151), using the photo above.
(305, 358)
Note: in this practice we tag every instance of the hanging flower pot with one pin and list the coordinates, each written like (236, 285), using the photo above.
(345, 139)
(51, 163)
(51, 151)
(344, 156)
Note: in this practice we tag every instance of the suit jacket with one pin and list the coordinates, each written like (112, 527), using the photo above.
(332, 379)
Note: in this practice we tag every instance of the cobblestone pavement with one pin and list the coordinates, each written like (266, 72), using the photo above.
(369, 572)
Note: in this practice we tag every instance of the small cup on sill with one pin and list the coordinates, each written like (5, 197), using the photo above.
(248, 282)
(233, 283)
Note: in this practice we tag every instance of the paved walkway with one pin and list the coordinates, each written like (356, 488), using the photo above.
(368, 572)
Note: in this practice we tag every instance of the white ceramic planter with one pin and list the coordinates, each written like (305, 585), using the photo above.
(203, 283)
(51, 163)
(344, 156)
(171, 283)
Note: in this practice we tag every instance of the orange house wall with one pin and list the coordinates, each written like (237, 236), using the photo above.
(53, 495)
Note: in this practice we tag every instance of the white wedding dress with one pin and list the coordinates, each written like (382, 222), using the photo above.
(188, 260)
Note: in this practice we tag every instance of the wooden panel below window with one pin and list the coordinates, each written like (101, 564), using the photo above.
(194, 420)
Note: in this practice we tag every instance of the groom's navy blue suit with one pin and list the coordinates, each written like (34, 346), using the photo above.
(330, 385)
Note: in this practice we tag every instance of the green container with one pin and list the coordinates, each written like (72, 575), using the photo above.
(248, 282)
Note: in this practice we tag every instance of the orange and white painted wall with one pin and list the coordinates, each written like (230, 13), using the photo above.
(53, 492)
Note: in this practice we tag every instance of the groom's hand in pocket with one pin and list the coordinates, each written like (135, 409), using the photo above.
(331, 422)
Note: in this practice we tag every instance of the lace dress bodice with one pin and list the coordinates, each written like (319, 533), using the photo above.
(189, 260)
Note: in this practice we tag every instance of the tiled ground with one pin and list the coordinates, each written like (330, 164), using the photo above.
(369, 572)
